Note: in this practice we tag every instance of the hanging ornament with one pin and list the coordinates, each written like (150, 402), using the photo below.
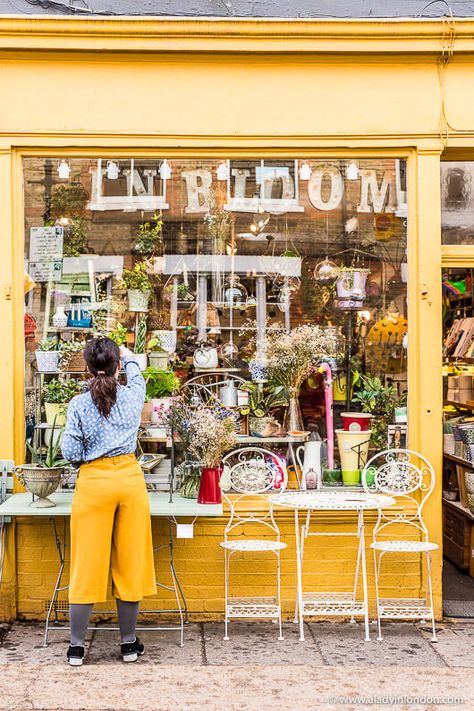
(326, 272)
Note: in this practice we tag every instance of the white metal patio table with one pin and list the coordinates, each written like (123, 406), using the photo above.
(162, 505)
(309, 604)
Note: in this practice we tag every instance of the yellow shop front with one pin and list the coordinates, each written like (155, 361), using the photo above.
(248, 175)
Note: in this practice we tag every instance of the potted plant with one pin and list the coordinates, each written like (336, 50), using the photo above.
(118, 335)
(43, 476)
(380, 401)
(350, 284)
(160, 386)
(140, 344)
(47, 356)
(261, 402)
(157, 355)
(149, 237)
(68, 206)
(56, 394)
(71, 356)
(138, 285)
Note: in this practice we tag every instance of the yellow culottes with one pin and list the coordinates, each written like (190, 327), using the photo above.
(111, 528)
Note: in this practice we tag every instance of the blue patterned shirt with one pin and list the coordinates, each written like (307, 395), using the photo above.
(89, 435)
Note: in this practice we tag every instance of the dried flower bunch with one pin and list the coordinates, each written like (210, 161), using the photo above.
(292, 357)
(207, 431)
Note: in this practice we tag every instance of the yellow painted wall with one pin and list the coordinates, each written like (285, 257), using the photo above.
(117, 87)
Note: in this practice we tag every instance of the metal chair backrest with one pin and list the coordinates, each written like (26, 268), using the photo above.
(206, 387)
(253, 473)
(406, 475)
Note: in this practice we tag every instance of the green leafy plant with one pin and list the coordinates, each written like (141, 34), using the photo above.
(68, 349)
(380, 401)
(140, 336)
(154, 345)
(118, 335)
(52, 458)
(160, 383)
(136, 278)
(149, 237)
(69, 201)
(263, 400)
(48, 344)
(61, 391)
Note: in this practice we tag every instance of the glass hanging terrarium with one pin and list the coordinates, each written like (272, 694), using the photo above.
(235, 293)
(326, 272)
(335, 346)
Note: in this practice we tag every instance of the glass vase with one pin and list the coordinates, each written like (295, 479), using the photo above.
(293, 417)
(190, 479)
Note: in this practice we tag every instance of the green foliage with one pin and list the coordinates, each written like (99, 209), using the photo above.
(52, 458)
(140, 336)
(75, 234)
(149, 236)
(160, 383)
(61, 391)
(136, 278)
(118, 335)
(69, 199)
(380, 401)
(263, 400)
(48, 344)
(154, 345)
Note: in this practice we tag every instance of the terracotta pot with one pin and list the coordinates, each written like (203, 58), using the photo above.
(146, 412)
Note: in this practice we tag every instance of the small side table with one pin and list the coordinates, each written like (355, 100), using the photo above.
(309, 604)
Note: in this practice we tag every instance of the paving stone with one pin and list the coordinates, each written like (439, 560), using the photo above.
(455, 643)
(24, 643)
(403, 644)
(257, 643)
(161, 647)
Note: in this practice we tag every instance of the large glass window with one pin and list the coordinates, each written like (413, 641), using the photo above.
(200, 258)
(457, 202)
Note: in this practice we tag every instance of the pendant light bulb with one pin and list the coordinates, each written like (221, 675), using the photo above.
(305, 171)
(112, 170)
(165, 170)
(222, 171)
(64, 171)
(352, 172)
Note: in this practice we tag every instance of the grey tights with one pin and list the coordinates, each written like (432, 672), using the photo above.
(79, 619)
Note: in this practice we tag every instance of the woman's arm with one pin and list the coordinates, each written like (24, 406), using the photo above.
(72, 441)
(135, 379)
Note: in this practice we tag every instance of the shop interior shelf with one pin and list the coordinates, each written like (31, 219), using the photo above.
(467, 406)
(459, 507)
(458, 460)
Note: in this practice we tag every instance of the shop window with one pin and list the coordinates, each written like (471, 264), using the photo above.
(457, 202)
(224, 251)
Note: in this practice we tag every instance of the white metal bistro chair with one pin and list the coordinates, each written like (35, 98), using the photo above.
(410, 477)
(251, 472)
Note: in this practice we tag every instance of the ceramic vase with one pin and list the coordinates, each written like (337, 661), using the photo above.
(167, 340)
(293, 417)
(60, 317)
(138, 300)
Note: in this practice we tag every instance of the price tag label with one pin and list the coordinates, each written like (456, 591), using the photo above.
(184, 530)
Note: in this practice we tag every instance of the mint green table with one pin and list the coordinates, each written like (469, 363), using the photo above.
(18, 505)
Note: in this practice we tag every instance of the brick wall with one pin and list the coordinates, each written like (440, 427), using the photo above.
(329, 565)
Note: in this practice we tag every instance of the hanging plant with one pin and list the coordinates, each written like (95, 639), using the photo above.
(69, 202)
(149, 237)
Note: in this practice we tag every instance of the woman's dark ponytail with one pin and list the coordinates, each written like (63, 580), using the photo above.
(102, 356)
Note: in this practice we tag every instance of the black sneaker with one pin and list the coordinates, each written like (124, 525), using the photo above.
(132, 650)
(75, 655)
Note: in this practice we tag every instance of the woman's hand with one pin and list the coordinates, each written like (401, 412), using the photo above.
(125, 352)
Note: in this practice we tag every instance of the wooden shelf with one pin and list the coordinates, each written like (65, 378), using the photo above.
(458, 460)
(459, 507)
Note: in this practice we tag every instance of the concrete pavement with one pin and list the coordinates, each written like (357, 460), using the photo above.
(333, 669)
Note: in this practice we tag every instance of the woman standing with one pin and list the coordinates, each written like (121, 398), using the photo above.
(110, 519)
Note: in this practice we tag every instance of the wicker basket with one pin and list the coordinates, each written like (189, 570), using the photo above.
(73, 362)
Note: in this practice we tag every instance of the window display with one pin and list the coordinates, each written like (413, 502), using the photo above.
(232, 280)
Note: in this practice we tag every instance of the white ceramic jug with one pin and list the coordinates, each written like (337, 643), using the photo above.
(310, 462)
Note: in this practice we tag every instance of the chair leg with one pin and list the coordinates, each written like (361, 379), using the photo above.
(303, 530)
(430, 591)
(280, 638)
(377, 564)
(226, 593)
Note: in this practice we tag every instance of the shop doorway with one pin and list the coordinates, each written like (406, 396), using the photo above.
(458, 442)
